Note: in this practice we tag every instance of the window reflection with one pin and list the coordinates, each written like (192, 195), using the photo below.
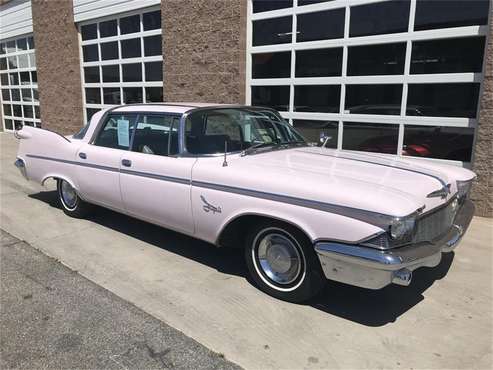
(266, 5)
(154, 94)
(370, 137)
(448, 55)
(91, 74)
(453, 143)
(317, 98)
(319, 62)
(111, 95)
(152, 20)
(320, 25)
(108, 28)
(374, 19)
(111, 73)
(318, 131)
(90, 53)
(132, 72)
(374, 99)
(271, 65)
(453, 13)
(132, 95)
(386, 59)
(276, 97)
(89, 32)
(272, 31)
(309, 2)
(93, 96)
(109, 50)
(446, 100)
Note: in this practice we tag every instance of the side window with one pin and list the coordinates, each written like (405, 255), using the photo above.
(220, 124)
(207, 133)
(116, 132)
(156, 134)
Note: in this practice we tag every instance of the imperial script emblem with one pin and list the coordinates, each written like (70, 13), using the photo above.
(209, 207)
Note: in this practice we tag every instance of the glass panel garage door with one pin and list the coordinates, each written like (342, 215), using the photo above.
(122, 61)
(19, 84)
(397, 77)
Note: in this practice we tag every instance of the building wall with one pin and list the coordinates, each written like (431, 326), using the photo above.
(204, 50)
(89, 9)
(58, 65)
(15, 18)
(482, 193)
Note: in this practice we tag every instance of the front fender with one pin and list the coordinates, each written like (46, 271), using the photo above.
(316, 224)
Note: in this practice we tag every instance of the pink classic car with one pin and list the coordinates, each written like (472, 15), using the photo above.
(241, 177)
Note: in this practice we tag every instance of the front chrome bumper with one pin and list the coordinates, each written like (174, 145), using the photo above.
(374, 269)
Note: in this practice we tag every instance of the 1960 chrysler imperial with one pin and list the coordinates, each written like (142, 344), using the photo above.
(240, 176)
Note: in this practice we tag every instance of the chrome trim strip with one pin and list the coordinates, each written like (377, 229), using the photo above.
(377, 219)
(96, 166)
(156, 177)
(443, 183)
(373, 218)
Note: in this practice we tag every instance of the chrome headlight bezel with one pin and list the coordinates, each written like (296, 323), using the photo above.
(401, 229)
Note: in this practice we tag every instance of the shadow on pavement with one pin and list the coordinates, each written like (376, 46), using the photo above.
(363, 306)
(379, 307)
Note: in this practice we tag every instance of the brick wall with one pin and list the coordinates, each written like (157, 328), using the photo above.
(204, 50)
(57, 60)
(482, 193)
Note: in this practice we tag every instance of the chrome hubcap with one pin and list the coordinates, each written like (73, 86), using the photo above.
(279, 258)
(69, 196)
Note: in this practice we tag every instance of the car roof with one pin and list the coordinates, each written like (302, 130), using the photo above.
(166, 107)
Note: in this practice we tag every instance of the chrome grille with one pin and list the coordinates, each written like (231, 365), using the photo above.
(437, 223)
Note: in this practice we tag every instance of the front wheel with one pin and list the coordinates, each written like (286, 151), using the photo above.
(72, 205)
(282, 262)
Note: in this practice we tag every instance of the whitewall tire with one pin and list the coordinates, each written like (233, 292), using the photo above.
(282, 262)
(72, 205)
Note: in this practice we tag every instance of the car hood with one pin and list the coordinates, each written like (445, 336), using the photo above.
(370, 182)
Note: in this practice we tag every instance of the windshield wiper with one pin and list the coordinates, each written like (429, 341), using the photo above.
(253, 148)
(276, 145)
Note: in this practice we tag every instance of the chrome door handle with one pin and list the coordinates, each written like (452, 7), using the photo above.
(126, 162)
(82, 155)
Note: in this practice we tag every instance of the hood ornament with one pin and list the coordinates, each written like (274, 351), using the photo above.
(207, 207)
(441, 193)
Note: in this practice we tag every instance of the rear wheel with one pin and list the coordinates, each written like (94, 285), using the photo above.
(72, 205)
(282, 262)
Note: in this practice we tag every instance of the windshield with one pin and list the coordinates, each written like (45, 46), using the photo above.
(212, 131)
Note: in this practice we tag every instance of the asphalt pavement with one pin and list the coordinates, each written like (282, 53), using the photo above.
(52, 317)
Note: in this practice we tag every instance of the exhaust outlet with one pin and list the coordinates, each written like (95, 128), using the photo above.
(402, 277)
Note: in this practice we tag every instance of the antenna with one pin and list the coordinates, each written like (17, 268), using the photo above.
(225, 162)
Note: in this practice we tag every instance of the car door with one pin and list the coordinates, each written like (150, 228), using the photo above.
(98, 172)
(155, 182)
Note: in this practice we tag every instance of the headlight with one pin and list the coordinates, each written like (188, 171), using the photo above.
(463, 188)
(401, 229)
